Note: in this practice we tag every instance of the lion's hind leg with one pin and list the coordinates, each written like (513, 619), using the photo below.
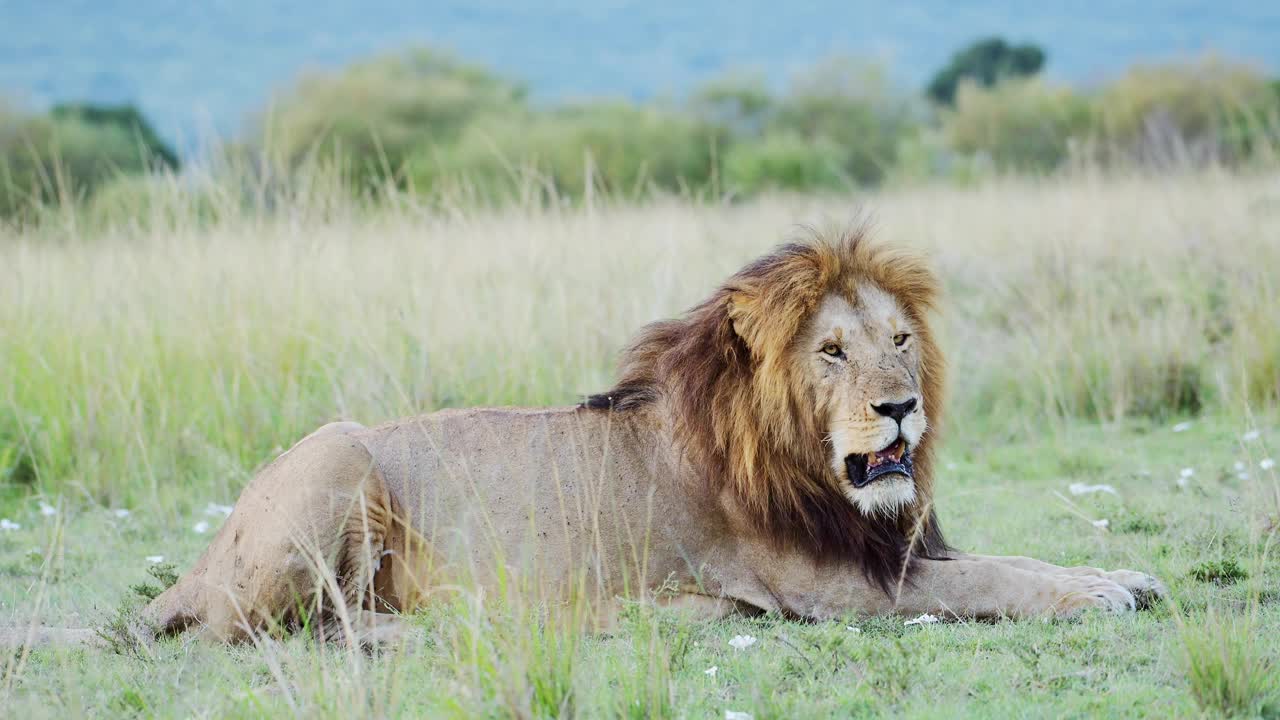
(301, 546)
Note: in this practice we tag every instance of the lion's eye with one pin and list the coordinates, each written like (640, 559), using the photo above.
(832, 349)
(901, 339)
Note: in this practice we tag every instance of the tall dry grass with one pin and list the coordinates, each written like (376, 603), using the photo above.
(141, 360)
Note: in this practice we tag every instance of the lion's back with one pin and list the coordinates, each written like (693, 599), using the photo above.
(549, 488)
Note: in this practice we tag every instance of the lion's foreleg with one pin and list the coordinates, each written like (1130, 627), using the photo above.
(959, 588)
(977, 587)
(1145, 588)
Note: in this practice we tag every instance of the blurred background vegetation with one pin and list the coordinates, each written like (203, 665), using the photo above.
(429, 124)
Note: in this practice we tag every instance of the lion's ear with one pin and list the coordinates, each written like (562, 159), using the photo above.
(768, 300)
(746, 318)
(767, 321)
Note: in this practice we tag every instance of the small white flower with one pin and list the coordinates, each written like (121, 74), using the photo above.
(1239, 466)
(852, 629)
(711, 671)
(1267, 464)
(8, 525)
(1104, 523)
(951, 466)
(201, 527)
(1250, 436)
(1182, 427)
(214, 509)
(925, 619)
(1187, 472)
(47, 510)
(1083, 489)
(735, 715)
(153, 559)
(1242, 476)
(120, 513)
(741, 642)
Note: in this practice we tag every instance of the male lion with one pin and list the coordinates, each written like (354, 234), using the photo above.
(768, 451)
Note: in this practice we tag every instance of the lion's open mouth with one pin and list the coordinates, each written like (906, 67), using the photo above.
(865, 469)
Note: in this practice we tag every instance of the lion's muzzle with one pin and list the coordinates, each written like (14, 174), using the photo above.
(866, 469)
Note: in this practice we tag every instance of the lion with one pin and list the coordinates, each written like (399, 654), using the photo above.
(772, 450)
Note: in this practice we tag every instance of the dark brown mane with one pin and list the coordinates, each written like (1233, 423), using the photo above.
(741, 413)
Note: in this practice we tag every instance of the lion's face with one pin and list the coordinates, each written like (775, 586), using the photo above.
(864, 367)
(798, 391)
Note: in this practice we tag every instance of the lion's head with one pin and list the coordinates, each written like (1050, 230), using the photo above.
(806, 386)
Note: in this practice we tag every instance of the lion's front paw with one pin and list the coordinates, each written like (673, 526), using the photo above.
(1147, 591)
(1082, 593)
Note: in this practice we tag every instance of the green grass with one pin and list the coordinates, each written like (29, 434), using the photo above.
(1211, 649)
(1231, 664)
(152, 365)
(1223, 572)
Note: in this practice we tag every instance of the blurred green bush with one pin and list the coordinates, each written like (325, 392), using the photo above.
(615, 147)
(155, 152)
(1022, 124)
(848, 106)
(784, 161)
(371, 117)
(1204, 111)
(61, 158)
(1187, 113)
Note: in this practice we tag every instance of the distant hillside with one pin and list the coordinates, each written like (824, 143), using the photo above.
(199, 67)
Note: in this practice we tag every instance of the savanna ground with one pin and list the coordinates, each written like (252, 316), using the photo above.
(1118, 331)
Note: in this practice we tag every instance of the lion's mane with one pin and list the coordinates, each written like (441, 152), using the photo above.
(746, 420)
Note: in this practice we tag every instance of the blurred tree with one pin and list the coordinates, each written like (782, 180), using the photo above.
(986, 62)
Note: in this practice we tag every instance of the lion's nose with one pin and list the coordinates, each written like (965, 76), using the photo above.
(897, 410)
